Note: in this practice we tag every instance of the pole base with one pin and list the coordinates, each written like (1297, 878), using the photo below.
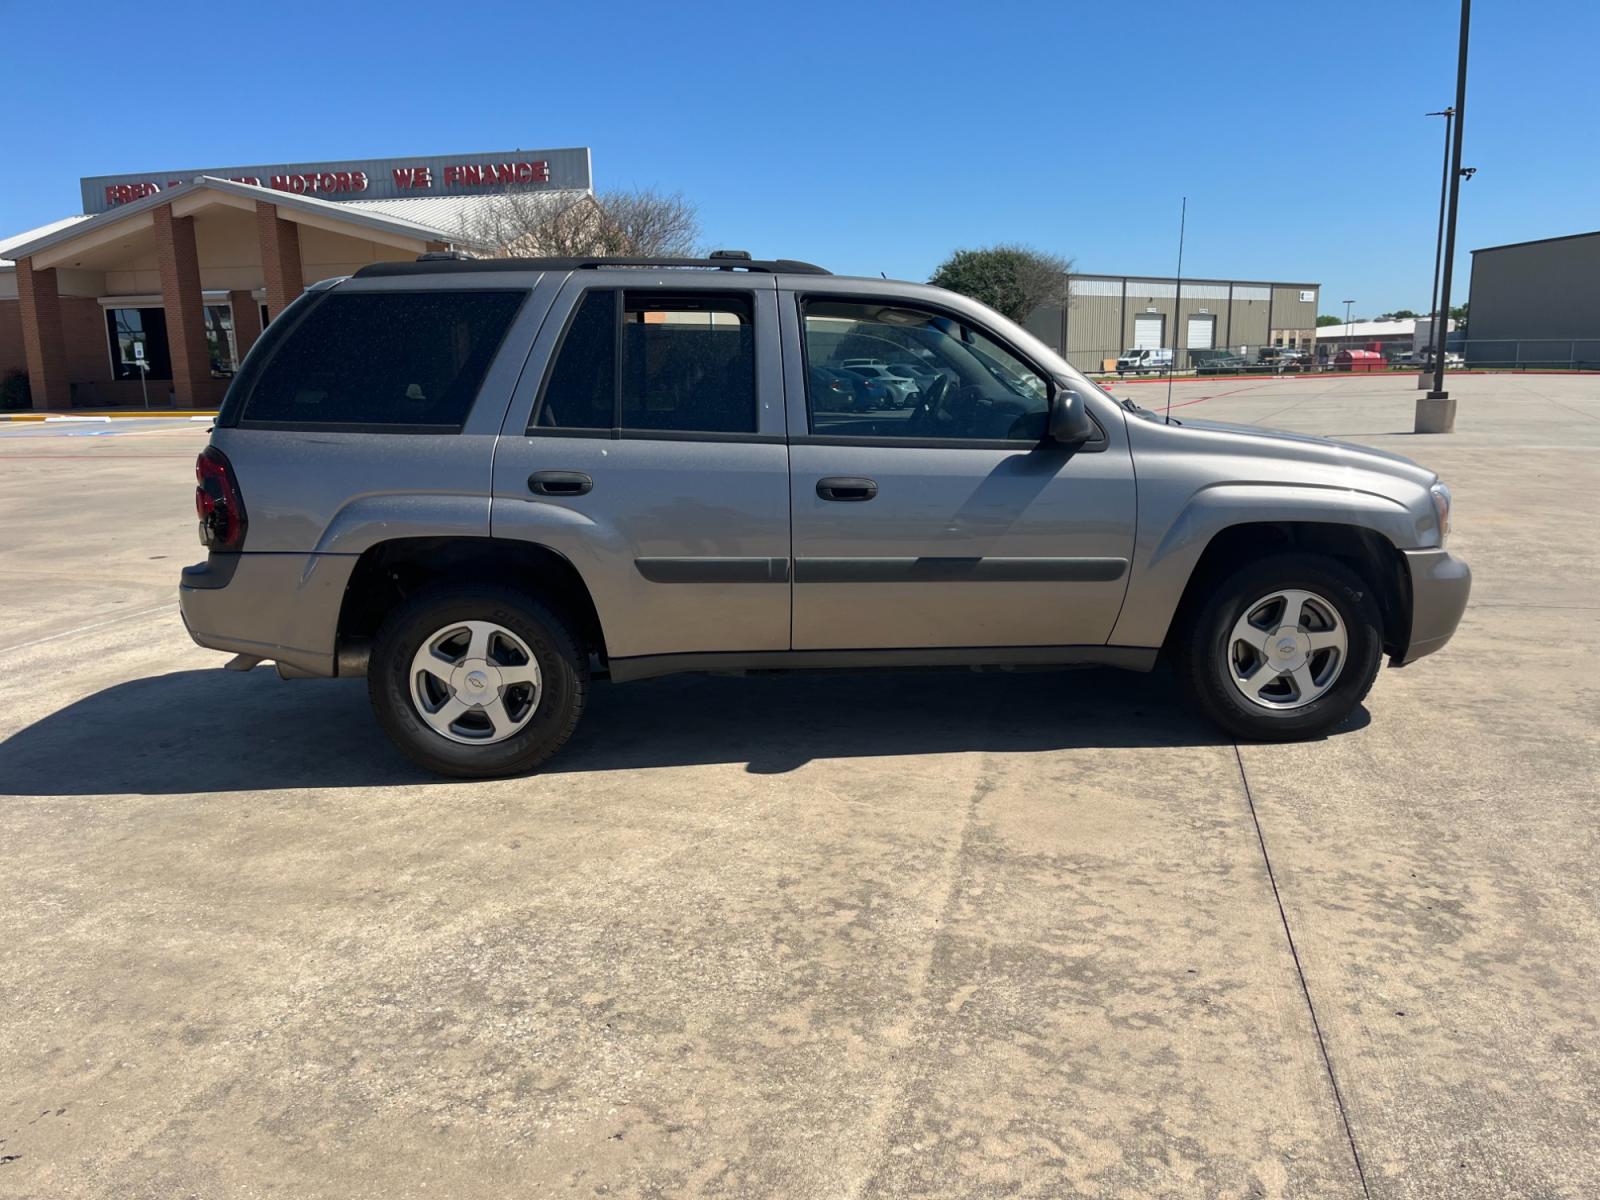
(1436, 413)
(1425, 380)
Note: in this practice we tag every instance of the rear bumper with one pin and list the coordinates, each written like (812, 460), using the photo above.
(1440, 584)
(279, 606)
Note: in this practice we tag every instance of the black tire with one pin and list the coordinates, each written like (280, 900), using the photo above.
(1202, 648)
(563, 668)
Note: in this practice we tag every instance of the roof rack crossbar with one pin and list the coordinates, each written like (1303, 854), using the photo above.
(435, 262)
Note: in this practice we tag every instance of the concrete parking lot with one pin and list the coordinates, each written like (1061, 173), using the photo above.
(939, 934)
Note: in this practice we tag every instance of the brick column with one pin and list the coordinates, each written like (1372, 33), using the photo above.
(43, 345)
(246, 321)
(280, 258)
(185, 308)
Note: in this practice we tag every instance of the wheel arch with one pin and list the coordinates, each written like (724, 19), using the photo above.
(1363, 549)
(389, 571)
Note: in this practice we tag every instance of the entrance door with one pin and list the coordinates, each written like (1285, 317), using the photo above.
(950, 523)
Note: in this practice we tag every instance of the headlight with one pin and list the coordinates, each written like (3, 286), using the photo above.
(1441, 508)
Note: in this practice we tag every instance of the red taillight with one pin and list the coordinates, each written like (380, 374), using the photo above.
(217, 502)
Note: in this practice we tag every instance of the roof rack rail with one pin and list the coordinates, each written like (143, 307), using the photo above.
(721, 260)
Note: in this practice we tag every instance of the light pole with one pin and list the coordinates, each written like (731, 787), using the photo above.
(1438, 243)
(1349, 339)
(1437, 412)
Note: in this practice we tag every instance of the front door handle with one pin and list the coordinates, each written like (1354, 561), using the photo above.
(560, 483)
(847, 487)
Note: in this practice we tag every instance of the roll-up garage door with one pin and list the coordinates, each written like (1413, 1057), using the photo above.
(1202, 332)
(1147, 331)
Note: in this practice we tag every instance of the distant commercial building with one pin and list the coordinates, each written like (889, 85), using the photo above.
(166, 278)
(1111, 313)
(1536, 303)
(1406, 335)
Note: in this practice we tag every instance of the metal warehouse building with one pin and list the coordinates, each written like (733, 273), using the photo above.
(1109, 313)
(1536, 303)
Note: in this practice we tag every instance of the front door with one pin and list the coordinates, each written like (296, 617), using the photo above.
(651, 456)
(946, 520)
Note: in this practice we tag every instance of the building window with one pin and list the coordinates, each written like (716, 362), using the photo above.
(133, 332)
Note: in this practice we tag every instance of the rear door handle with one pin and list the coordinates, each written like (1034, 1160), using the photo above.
(560, 483)
(847, 487)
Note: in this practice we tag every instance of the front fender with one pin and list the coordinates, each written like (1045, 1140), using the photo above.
(1167, 552)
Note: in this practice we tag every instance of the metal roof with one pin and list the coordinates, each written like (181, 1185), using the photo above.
(1274, 283)
(1565, 237)
(1404, 327)
(33, 235)
(459, 213)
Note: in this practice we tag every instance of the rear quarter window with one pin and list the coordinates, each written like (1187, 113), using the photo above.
(383, 359)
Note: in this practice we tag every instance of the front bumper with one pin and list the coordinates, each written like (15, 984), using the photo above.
(1440, 584)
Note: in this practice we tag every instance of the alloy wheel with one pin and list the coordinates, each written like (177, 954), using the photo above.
(475, 682)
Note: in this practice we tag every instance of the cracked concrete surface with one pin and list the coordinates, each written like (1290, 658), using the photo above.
(943, 934)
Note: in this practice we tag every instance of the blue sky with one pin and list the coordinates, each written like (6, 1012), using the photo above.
(873, 136)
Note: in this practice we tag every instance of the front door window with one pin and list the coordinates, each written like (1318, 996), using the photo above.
(883, 370)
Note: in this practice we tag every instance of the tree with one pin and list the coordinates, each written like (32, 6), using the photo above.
(1325, 319)
(641, 222)
(1458, 312)
(1399, 314)
(1011, 279)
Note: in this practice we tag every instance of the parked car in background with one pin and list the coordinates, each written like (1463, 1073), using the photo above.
(900, 390)
(918, 373)
(1144, 362)
(834, 391)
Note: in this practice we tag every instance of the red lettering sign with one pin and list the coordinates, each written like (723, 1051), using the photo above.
(123, 193)
(411, 177)
(480, 174)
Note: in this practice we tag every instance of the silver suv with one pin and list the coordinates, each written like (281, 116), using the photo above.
(484, 484)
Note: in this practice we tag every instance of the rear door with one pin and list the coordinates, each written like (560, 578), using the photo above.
(953, 523)
(651, 454)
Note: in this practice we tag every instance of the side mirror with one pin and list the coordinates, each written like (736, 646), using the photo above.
(1070, 423)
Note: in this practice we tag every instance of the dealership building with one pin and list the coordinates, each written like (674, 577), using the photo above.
(166, 278)
(1107, 314)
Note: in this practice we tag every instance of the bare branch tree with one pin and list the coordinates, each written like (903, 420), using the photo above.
(641, 222)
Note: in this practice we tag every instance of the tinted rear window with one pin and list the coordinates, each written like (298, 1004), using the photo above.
(384, 358)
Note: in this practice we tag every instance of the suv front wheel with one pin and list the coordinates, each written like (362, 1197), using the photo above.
(1282, 649)
(477, 682)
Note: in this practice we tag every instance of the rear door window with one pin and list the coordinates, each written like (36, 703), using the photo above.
(384, 359)
(643, 362)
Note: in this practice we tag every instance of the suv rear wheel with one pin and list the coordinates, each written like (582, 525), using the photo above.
(1282, 649)
(477, 682)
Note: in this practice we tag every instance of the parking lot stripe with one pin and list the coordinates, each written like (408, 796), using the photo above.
(1305, 989)
(55, 637)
